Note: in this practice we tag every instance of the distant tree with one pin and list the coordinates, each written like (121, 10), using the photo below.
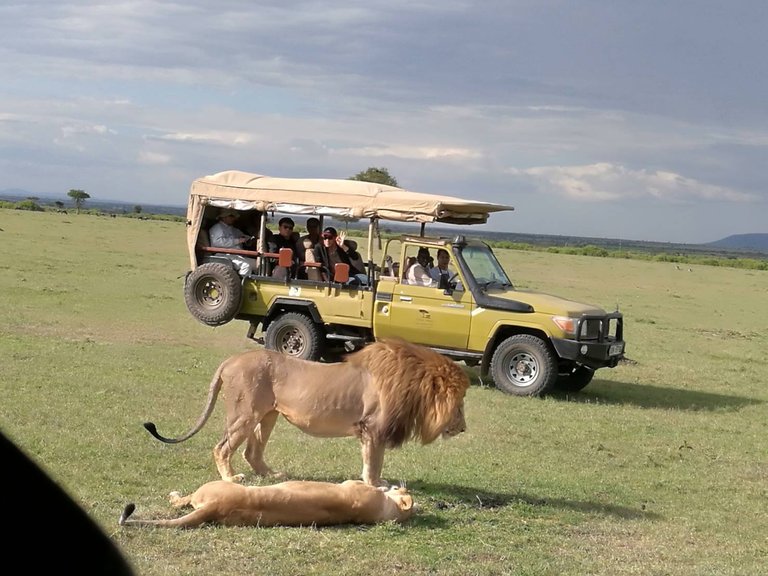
(377, 175)
(137, 209)
(79, 197)
(59, 204)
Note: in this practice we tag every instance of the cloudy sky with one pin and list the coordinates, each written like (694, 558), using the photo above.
(643, 120)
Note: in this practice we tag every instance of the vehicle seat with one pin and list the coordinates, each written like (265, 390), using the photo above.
(203, 241)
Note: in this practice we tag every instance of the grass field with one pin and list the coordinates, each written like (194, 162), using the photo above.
(658, 467)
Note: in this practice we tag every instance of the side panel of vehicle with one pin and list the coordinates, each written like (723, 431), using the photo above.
(335, 304)
(430, 316)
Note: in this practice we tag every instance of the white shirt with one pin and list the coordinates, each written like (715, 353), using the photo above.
(418, 275)
(435, 273)
(223, 235)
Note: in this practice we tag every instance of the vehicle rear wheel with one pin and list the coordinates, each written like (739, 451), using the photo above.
(524, 365)
(296, 335)
(575, 380)
(213, 293)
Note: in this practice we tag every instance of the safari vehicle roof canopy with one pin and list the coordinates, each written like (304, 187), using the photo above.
(342, 199)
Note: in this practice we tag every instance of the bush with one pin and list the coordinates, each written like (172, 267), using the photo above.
(29, 205)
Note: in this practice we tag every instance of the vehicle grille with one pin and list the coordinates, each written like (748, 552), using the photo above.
(600, 328)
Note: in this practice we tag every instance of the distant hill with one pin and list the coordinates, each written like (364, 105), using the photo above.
(754, 242)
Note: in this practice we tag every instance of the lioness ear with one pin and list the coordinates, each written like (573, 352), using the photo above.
(406, 503)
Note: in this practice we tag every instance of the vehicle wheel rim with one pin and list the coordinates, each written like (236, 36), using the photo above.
(523, 369)
(291, 341)
(209, 293)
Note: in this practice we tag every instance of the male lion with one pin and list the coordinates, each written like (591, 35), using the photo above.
(292, 503)
(385, 394)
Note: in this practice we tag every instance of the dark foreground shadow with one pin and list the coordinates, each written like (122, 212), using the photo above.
(624, 393)
(33, 505)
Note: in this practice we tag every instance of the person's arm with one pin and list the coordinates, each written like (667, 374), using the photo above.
(348, 247)
(421, 275)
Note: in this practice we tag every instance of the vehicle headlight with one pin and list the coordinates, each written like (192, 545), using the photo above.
(566, 324)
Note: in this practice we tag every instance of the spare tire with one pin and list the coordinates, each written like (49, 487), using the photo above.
(213, 293)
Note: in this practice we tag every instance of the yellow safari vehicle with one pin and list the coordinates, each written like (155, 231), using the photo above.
(447, 293)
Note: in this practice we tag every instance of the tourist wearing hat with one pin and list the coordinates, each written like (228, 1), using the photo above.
(335, 249)
(223, 234)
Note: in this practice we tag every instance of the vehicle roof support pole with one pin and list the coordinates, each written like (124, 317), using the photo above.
(371, 231)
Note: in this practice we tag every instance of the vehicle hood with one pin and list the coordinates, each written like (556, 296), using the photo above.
(539, 302)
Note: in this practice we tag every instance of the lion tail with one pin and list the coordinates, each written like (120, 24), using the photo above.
(127, 511)
(213, 392)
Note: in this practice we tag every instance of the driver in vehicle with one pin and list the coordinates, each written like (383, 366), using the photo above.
(443, 258)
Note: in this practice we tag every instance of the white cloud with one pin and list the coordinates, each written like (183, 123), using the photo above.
(413, 152)
(607, 182)
(71, 130)
(153, 158)
(220, 138)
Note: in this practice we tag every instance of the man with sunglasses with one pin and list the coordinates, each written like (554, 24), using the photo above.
(285, 238)
(335, 249)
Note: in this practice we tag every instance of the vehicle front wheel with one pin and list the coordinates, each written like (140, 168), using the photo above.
(296, 335)
(524, 365)
(213, 293)
(575, 380)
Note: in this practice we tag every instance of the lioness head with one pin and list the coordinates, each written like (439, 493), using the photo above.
(403, 502)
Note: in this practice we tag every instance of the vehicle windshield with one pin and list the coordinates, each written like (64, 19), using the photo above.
(485, 268)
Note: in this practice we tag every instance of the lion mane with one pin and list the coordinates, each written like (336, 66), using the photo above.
(420, 391)
(386, 394)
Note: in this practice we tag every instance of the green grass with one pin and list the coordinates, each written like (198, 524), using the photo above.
(657, 467)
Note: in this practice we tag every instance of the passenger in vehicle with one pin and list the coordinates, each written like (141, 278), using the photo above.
(223, 234)
(306, 248)
(335, 249)
(250, 223)
(418, 273)
(441, 270)
(285, 238)
(409, 262)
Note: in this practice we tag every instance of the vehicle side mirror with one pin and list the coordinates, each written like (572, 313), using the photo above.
(341, 273)
(285, 257)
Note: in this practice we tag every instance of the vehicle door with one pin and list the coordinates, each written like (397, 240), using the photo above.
(427, 314)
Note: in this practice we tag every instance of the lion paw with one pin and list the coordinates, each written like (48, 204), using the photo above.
(174, 497)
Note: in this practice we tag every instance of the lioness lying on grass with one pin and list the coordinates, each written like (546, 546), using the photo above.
(291, 503)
